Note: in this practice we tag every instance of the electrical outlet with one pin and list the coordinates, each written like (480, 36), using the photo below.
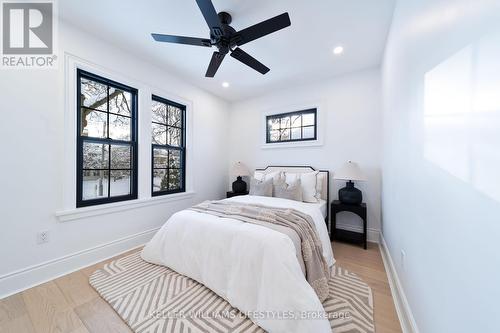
(42, 237)
(403, 257)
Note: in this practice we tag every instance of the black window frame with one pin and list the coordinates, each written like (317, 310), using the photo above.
(181, 148)
(133, 143)
(291, 114)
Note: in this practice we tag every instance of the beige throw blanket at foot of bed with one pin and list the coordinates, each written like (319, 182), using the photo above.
(287, 221)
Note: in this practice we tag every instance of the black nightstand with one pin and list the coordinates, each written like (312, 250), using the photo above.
(231, 194)
(346, 235)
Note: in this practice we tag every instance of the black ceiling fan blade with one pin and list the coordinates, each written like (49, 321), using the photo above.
(248, 60)
(208, 10)
(262, 29)
(182, 40)
(215, 62)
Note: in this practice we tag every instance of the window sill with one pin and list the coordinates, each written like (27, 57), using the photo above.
(296, 144)
(79, 213)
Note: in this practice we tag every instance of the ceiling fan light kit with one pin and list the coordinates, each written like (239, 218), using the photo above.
(226, 38)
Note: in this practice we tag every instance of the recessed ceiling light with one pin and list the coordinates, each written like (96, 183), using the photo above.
(338, 50)
(225, 84)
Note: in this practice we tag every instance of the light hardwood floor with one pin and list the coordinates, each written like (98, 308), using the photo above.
(368, 265)
(69, 304)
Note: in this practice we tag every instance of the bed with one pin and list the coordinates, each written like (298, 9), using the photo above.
(253, 267)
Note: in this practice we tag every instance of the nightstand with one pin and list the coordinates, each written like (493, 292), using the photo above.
(231, 194)
(346, 235)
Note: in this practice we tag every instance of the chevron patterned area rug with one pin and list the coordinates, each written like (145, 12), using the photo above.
(152, 298)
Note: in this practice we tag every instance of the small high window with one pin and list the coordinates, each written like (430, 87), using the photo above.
(292, 126)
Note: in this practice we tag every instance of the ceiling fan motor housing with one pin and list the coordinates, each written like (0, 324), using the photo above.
(225, 18)
(224, 42)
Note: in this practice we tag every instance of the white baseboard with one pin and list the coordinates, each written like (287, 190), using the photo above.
(17, 281)
(372, 235)
(408, 323)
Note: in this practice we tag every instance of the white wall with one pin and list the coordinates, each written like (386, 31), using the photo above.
(441, 180)
(351, 121)
(32, 165)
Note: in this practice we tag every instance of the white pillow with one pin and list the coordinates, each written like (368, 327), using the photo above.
(260, 188)
(320, 179)
(285, 191)
(262, 176)
(259, 175)
(308, 183)
(291, 178)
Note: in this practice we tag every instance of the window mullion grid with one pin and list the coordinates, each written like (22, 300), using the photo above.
(314, 125)
(166, 134)
(183, 131)
(106, 169)
(290, 128)
(166, 116)
(301, 126)
(109, 144)
(280, 130)
(168, 169)
(157, 123)
(106, 141)
(107, 111)
(109, 171)
(183, 168)
(117, 114)
(268, 131)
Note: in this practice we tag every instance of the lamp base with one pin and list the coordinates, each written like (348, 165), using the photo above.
(239, 185)
(350, 195)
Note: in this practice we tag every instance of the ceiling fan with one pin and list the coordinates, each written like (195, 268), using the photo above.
(227, 39)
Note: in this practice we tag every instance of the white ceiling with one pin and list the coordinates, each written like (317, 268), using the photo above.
(296, 55)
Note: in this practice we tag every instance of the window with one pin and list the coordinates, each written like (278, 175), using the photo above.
(292, 126)
(107, 141)
(168, 146)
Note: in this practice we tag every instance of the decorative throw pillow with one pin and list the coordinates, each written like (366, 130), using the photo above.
(308, 182)
(263, 176)
(264, 189)
(291, 178)
(320, 179)
(291, 192)
(259, 175)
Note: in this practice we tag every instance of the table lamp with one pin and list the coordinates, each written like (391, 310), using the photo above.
(239, 170)
(350, 171)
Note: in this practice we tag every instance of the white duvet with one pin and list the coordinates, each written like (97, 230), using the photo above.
(253, 267)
